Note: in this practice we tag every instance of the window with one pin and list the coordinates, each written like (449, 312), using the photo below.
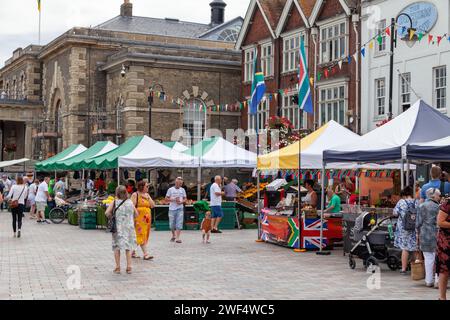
(333, 42)
(229, 35)
(194, 121)
(440, 87)
(291, 52)
(332, 104)
(249, 64)
(291, 111)
(267, 59)
(262, 115)
(380, 96)
(381, 27)
(405, 91)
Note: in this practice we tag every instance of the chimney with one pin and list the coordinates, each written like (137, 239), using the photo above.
(126, 9)
(217, 12)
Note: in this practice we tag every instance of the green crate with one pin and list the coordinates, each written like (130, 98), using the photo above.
(102, 220)
(250, 226)
(229, 219)
(72, 217)
(228, 204)
(162, 225)
(88, 226)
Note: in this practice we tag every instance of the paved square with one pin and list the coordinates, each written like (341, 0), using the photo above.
(234, 266)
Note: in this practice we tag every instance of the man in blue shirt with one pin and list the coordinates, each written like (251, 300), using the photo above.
(435, 182)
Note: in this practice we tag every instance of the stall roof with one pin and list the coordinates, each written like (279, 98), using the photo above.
(421, 123)
(71, 151)
(76, 162)
(5, 164)
(149, 153)
(175, 145)
(437, 150)
(219, 153)
(311, 149)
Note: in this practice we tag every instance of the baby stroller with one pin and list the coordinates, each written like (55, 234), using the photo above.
(373, 242)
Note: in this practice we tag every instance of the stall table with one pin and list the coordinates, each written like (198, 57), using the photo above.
(284, 230)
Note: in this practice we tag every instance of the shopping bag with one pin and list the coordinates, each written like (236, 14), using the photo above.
(418, 268)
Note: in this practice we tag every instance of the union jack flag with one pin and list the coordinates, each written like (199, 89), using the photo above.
(310, 234)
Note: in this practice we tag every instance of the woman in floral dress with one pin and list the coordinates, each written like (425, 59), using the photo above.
(124, 239)
(143, 222)
(403, 239)
(443, 249)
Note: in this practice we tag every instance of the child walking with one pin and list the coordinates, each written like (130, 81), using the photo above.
(206, 227)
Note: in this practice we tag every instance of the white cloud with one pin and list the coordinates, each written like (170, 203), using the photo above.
(19, 19)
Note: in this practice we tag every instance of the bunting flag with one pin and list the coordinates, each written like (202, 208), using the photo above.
(325, 72)
(39, 5)
(388, 31)
(349, 59)
(430, 38)
(439, 38)
(371, 45)
(380, 39)
(420, 36)
(356, 57)
(340, 64)
(363, 51)
(412, 32)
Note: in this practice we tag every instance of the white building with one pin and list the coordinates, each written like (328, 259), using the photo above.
(420, 71)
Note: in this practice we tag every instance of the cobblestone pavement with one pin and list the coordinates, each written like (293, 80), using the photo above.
(234, 266)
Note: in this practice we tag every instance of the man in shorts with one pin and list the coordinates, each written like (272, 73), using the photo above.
(42, 196)
(177, 197)
(216, 204)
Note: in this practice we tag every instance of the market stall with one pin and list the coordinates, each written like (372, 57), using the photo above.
(174, 145)
(68, 153)
(406, 138)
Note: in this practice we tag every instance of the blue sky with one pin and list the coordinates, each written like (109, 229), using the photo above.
(19, 18)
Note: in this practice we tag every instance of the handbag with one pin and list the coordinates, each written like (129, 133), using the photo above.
(112, 223)
(418, 268)
(13, 204)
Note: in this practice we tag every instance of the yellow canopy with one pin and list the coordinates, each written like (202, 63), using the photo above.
(287, 158)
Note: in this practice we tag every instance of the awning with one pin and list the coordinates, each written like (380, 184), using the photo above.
(5, 164)
(71, 151)
(438, 150)
(176, 146)
(220, 153)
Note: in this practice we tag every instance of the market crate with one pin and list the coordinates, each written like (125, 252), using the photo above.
(102, 220)
(229, 204)
(229, 219)
(72, 217)
(250, 225)
(88, 226)
(249, 218)
(162, 225)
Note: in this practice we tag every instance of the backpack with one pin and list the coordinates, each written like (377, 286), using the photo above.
(409, 218)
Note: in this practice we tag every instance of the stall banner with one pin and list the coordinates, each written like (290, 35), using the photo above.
(310, 234)
(280, 230)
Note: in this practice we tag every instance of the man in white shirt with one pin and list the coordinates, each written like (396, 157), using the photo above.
(41, 199)
(216, 204)
(177, 197)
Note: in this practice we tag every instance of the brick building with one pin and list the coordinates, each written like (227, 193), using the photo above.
(92, 84)
(331, 31)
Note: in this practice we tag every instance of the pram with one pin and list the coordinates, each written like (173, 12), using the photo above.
(373, 242)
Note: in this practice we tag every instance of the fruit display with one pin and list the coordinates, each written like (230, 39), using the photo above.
(251, 190)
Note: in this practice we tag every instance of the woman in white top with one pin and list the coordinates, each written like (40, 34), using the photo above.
(32, 190)
(19, 193)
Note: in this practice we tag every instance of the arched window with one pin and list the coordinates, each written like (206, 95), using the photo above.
(58, 126)
(229, 35)
(22, 88)
(14, 90)
(194, 121)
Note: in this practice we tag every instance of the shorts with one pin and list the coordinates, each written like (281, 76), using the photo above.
(217, 212)
(31, 202)
(40, 206)
(176, 219)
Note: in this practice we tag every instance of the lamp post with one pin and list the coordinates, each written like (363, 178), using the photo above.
(410, 42)
(150, 103)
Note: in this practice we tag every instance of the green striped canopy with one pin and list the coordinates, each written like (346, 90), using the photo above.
(76, 162)
(110, 160)
(46, 164)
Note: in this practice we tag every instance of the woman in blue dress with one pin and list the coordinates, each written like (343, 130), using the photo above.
(404, 239)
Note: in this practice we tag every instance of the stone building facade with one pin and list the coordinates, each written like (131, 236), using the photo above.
(330, 30)
(93, 84)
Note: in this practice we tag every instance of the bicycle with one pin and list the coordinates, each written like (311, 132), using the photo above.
(58, 214)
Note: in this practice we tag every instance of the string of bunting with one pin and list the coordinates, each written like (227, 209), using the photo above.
(331, 174)
(402, 31)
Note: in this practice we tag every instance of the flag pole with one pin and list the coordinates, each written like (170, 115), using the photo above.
(39, 36)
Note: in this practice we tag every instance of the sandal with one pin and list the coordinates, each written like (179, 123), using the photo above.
(129, 270)
(148, 257)
(135, 256)
(179, 241)
(117, 271)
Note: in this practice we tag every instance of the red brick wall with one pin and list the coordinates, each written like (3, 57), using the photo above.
(258, 30)
(330, 9)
